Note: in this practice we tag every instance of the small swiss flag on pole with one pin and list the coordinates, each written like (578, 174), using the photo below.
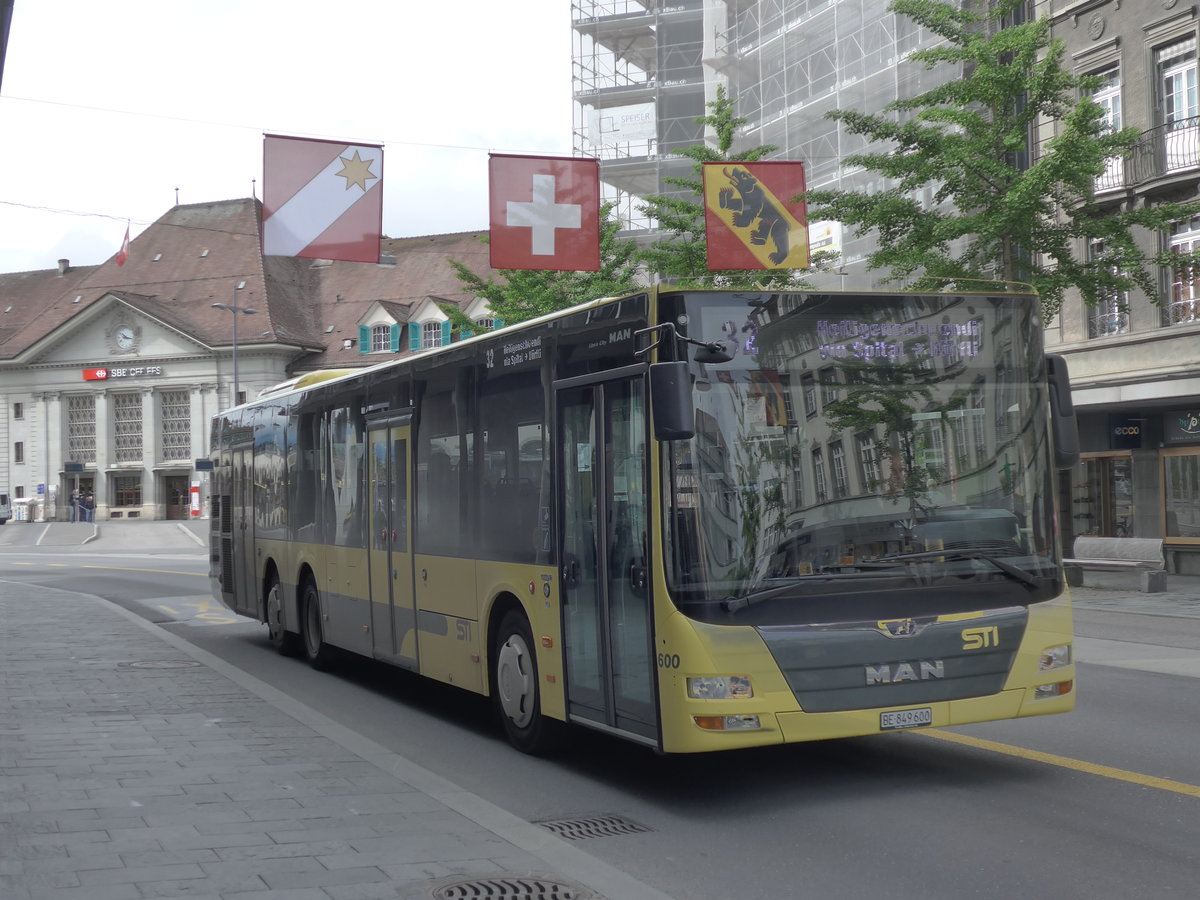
(544, 213)
(123, 253)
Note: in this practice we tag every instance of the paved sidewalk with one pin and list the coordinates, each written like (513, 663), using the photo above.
(1121, 592)
(135, 765)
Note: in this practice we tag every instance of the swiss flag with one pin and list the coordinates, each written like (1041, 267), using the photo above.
(123, 253)
(544, 213)
(322, 199)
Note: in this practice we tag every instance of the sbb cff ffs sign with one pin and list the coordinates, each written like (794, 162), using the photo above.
(104, 374)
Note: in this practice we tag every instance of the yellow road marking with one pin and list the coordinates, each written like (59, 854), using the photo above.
(1050, 759)
(155, 571)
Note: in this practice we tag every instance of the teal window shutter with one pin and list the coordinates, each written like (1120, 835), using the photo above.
(414, 336)
(364, 339)
(445, 332)
(497, 324)
(395, 343)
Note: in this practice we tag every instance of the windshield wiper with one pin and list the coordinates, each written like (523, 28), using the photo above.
(1014, 572)
(733, 604)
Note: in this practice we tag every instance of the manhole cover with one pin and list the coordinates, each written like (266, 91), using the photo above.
(511, 889)
(159, 664)
(594, 826)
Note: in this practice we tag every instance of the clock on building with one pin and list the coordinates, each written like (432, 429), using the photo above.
(125, 337)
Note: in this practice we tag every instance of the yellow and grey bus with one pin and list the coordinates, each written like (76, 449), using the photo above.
(698, 520)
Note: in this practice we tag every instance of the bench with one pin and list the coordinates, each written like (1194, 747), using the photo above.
(1118, 553)
(1145, 554)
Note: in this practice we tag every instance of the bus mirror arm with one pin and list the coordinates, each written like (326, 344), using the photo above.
(710, 352)
(1062, 413)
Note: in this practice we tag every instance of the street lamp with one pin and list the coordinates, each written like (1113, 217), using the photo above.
(235, 309)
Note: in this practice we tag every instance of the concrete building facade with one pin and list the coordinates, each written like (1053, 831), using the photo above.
(1135, 362)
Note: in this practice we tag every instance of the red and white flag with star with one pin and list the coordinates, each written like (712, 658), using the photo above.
(544, 213)
(322, 199)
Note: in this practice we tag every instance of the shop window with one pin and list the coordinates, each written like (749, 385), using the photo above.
(1102, 501)
(1181, 495)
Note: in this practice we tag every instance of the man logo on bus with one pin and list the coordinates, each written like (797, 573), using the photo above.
(898, 673)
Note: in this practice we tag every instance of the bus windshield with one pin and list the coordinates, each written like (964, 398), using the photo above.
(861, 455)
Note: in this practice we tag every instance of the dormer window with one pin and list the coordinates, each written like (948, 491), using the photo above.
(431, 335)
(381, 338)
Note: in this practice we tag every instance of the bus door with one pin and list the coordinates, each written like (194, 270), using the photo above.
(607, 616)
(393, 609)
(245, 592)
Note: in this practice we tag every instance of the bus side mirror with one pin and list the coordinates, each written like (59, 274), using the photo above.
(1062, 414)
(671, 401)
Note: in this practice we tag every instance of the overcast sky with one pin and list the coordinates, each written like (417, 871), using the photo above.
(107, 108)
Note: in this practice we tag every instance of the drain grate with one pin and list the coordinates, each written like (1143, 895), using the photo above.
(594, 826)
(511, 889)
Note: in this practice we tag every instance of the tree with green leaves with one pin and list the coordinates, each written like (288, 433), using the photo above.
(528, 293)
(681, 255)
(1003, 209)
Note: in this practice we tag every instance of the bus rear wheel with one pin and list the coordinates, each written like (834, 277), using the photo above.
(286, 642)
(318, 653)
(515, 688)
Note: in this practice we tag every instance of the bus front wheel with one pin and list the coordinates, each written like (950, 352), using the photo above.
(318, 653)
(515, 688)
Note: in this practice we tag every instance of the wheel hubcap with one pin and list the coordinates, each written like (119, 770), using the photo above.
(514, 681)
(274, 613)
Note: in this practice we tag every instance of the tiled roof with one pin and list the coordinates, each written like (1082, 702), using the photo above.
(197, 254)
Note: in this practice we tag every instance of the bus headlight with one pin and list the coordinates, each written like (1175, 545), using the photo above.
(1055, 658)
(1059, 689)
(719, 687)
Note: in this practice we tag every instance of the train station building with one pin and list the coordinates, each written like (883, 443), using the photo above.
(110, 374)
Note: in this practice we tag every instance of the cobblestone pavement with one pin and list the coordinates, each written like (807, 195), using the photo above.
(135, 765)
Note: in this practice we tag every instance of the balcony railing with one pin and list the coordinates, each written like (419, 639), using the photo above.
(1182, 312)
(1109, 322)
(1165, 150)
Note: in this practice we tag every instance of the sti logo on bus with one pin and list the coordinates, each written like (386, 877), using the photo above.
(897, 673)
(978, 638)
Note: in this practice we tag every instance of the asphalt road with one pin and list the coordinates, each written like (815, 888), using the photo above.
(1101, 803)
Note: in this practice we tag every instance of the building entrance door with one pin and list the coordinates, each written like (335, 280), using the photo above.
(175, 487)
